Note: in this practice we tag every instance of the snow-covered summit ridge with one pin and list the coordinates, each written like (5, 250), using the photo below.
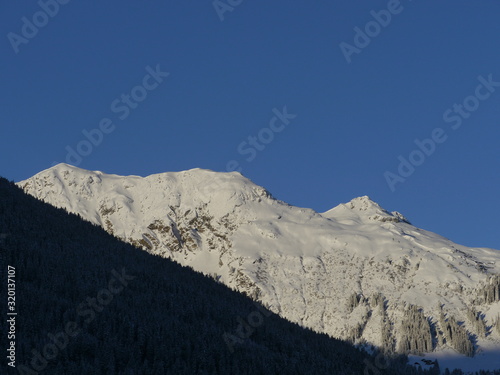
(64, 169)
(71, 187)
(207, 184)
(352, 272)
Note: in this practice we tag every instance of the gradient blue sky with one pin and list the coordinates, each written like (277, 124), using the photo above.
(226, 77)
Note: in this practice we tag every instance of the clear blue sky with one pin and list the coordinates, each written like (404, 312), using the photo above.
(353, 120)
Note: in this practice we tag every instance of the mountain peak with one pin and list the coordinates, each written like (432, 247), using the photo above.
(362, 210)
(363, 203)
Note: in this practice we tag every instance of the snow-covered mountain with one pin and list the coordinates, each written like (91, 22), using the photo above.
(356, 272)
